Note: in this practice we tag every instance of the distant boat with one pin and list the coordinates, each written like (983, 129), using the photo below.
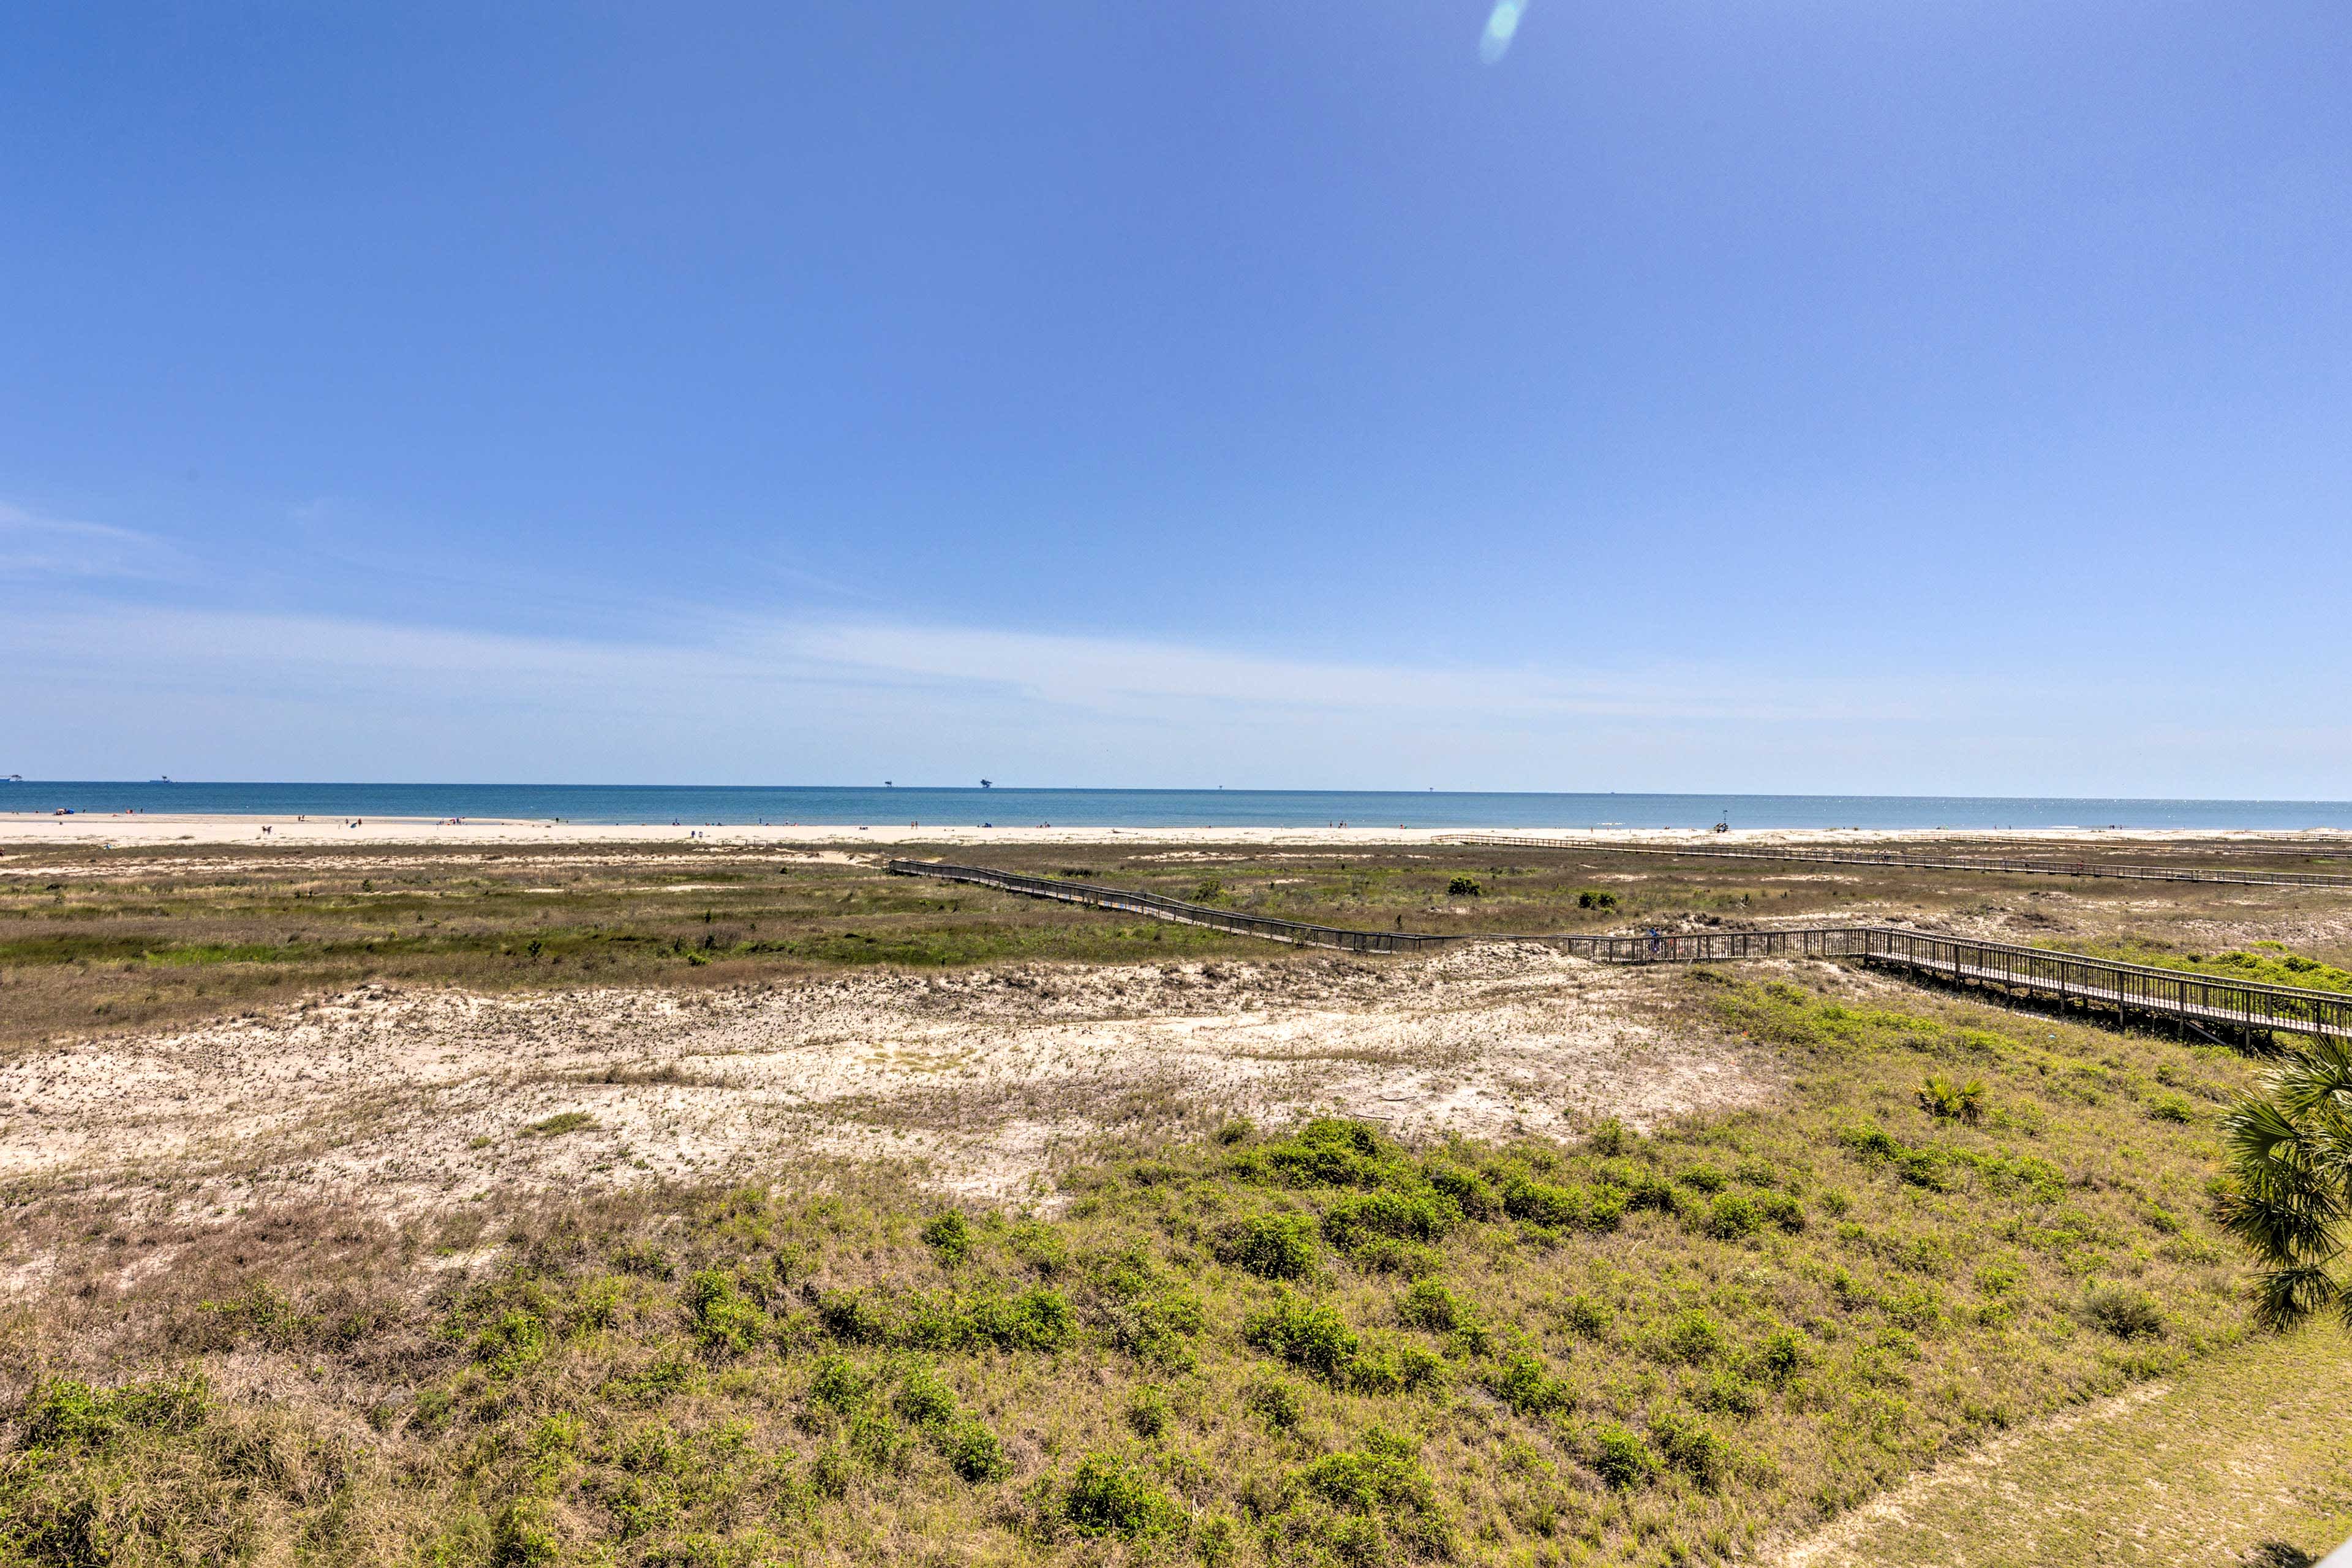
(985, 785)
(166, 779)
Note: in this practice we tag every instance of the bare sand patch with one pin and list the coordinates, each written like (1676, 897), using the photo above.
(985, 1078)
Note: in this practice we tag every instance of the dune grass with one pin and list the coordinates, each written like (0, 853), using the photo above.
(96, 940)
(1300, 1345)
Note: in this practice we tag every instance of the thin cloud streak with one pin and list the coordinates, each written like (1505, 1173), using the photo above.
(35, 547)
(278, 653)
(104, 690)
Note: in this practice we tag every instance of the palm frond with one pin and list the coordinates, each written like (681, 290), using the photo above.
(2287, 1298)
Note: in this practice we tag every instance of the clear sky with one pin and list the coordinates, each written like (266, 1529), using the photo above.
(1939, 396)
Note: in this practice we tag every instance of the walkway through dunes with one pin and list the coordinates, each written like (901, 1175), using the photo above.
(2195, 1000)
(1839, 855)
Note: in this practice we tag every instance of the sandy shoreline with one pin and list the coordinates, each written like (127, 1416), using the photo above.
(142, 829)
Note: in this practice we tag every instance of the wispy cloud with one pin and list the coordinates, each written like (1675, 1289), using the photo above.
(1114, 674)
(1079, 674)
(33, 546)
(101, 687)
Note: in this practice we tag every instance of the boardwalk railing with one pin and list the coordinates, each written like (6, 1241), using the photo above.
(1856, 856)
(2096, 983)
(2181, 993)
(1177, 910)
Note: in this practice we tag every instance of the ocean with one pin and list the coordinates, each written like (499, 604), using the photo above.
(855, 805)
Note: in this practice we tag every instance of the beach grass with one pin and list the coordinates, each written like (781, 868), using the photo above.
(93, 941)
(1299, 1344)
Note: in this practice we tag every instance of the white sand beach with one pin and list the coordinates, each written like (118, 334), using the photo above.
(143, 829)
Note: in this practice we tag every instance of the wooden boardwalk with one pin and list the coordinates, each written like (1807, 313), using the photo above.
(1856, 856)
(2186, 996)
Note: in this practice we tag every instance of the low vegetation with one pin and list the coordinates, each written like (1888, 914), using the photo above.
(1311, 1344)
(95, 940)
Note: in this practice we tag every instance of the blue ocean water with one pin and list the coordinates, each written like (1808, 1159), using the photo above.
(1155, 808)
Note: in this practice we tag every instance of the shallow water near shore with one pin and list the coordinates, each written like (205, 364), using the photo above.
(848, 805)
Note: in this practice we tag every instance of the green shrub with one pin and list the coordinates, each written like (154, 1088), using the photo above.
(723, 1323)
(1429, 1305)
(2172, 1107)
(830, 1471)
(1781, 1210)
(1653, 1191)
(1559, 1208)
(1703, 1178)
(1585, 1317)
(840, 1383)
(1040, 1246)
(876, 1441)
(971, 1450)
(1692, 1336)
(1419, 1368)
(949, 1235)
(1392, 1501)
(1275, 1402)
(1151, 1320)
(1941, 1097)
(1467, 1189)
(1732, 1215)
(1272, 1246)
(1410, 1258)
(1209, 892)
(1110, 1495)
(1038, 1319)
(1928, 1168)
(2125, 1313)
(1420, 1217)
(1690, 1446)
(1781, 1356)
(1595, 899)
(1331, 1152)
(1521, 1382)
(1619, 1459)
(1919, 1307)
(1608, 1136)
(511, 1341)
(525, 1536)
(923, 1398)
(65, 1414)
(1870, 1143)
(1148, 1413)
(1726, 1389)
(1308, 1335)
(1462, 888)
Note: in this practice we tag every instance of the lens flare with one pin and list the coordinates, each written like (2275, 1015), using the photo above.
(1502, 25)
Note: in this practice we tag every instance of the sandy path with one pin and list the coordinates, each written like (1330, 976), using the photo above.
(2244, 1458)
(411, 1099)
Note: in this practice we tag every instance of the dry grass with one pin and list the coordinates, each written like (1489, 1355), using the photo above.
(94, 941)
(1552, 1340)
(2244, 1459)
(1624, 1349)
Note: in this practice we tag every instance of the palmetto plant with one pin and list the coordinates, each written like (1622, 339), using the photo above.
(2290, 1146)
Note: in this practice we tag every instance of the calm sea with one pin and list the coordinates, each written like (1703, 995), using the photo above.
(1157, 807)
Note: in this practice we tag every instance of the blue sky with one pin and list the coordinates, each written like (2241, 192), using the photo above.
(1713, 394)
